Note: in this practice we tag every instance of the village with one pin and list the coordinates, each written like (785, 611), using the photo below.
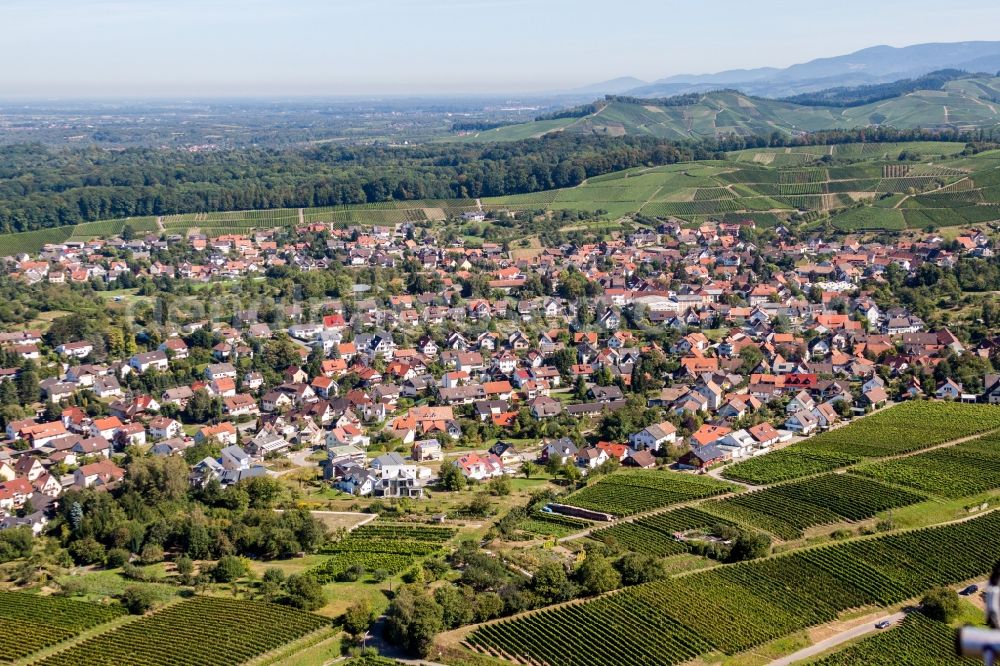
(671, 346)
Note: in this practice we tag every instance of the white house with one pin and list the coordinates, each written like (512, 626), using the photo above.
(654, 436)
(154, 360)
(802, 422)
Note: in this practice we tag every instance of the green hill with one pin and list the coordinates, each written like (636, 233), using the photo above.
(960, 104)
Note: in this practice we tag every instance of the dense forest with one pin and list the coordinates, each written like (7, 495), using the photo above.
(48, 187)
(687, 99)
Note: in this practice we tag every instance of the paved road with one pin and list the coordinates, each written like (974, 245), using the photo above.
(834, 641)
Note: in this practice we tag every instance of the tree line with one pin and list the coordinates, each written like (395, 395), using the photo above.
(47, 187)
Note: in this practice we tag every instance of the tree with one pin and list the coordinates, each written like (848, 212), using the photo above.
(157, 479)
(28, 390)
(151, 553)
(552, 584)
(596, 574)
(941, 604)
(571, 472)
(87, 551)
(751, 356)
(749, 546)
(456, 606)
(358, 618)
(273, 575)
(138, 599)
(304, 591)
(499, 486)
(413, 619)
(638, 568)
(15, 543)
(228, 569)
(451, 477)
(263, 491)
(185, 567)
(528, 468)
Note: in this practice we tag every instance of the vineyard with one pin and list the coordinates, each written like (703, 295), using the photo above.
(904, 428)
(736, 607)
(385, 547)
(549, 524)
(654, 535)
(917, 640)
(627, 493)
(107, 228)
(32, 241)
(29, 623)
(956, 471)
(784, 464)
(786, 510)
(205, 631)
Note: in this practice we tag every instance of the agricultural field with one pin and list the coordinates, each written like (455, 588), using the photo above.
(869, 218)
(793, 462)
(232, 221)
(201, 630)
(917, 640)
(629, 492)
(380, 547)
(32, 241)
(655, 535)
(29, 623)
(904, 428)
(786, 510)
(956, 471)
(550, 524)
(107, 228)
(733, 608)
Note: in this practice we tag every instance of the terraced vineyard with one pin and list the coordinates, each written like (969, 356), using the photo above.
(906, 427)
(788, 509)
(32, 241)
(207, 631)
(737, 607)
(626, 493)
(388, 547)
(655, 535)
(917, 640)
(956, 471)
(789, 463)
(549, 524)
(29, 623)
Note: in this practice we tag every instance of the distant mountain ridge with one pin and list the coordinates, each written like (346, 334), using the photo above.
(943, 100)
(877, 64)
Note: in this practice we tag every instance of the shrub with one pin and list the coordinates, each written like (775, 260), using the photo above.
(87, 551)
(151, 553)
(228, 569)
(117, 557)
(304, 591)
(138, 599)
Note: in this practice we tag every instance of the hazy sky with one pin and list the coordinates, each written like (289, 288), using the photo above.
(70, 48)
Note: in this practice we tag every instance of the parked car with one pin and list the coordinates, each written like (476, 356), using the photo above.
(884, 624)
(969, 591)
